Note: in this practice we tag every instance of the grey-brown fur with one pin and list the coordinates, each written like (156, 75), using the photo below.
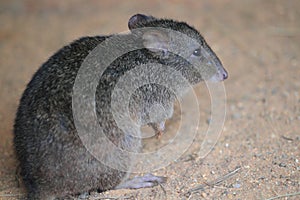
(54, 163)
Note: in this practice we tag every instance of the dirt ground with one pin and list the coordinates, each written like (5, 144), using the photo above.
(258, 153)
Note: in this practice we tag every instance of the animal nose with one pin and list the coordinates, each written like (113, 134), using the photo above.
(225, 75)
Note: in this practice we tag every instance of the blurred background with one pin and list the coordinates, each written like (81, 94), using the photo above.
(258, 43)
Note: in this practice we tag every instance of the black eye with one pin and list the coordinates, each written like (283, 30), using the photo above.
(197, 52)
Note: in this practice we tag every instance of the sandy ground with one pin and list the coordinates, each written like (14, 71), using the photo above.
(258, 43)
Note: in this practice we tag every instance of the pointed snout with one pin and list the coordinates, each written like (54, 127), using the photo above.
(224, 73)
(220, 75)
(213, 62)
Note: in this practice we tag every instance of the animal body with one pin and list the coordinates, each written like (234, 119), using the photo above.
(53, 161)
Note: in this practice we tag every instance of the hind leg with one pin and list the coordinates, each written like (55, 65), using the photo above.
(37, 193)
(38, 196)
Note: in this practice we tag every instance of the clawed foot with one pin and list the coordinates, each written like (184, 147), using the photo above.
(149, 180)
(158, 128)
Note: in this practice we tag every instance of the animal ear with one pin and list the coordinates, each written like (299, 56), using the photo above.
(156, 41)
(138, 19)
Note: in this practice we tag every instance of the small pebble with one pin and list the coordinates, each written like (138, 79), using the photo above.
(237, 185)
(282, 165)
(83, 195)
(203, 195)
(236, 115)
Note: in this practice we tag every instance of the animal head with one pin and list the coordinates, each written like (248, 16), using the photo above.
(179, 45)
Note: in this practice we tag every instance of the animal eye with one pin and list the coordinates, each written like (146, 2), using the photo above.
(197, 52)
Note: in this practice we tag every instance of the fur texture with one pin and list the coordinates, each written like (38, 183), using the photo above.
(54, 163)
